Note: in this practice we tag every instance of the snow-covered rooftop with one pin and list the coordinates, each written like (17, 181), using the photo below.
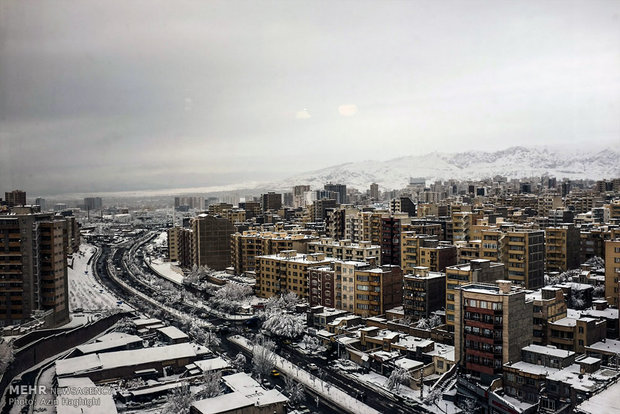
(547, 350)
(109, 344)
(212, 364)
(173, 333)
(109, 360)
(609, 346)
(607, 401)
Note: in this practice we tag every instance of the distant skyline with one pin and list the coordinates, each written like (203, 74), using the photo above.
(116, 95)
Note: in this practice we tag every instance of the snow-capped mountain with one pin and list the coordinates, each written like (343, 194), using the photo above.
(515, 162)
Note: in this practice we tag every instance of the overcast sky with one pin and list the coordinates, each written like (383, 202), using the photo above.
(115, 95)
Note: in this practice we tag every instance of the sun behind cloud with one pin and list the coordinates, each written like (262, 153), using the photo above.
(347, 110)
(303, 114)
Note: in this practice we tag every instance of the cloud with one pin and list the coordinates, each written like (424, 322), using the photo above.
(347, 110)
(304, 114)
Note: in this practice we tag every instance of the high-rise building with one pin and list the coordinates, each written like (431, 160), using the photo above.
(299, 195)
(562, 245)
(93, 203)
(374, 192)
(271, 201)
(340, 189)
(41, 203)
(197, 203)
(492, 323)
(212, 239)
(377, 290)
(423, 292)
(33, 268)
(524, 256)
(476, 271)
(15, 198)
(612, 271)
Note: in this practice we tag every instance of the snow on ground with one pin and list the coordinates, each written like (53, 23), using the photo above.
(379, 382)
(167, 271)
(84, 290)
(43, 403)
(325, 389)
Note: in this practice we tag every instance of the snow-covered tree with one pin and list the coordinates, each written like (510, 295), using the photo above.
(310, 343)
(577, 300)
(211, 386)
(286, 302)
(230, 297)
(295, 390)
(239, 362)
(263, 357)
(469, 406)
(125, 325)
(212, 340)
(179, 401)
(422, 323)
(398, 377)
(7, 356)
(285, 324)
(434, 321)
(599, 291)
(595, 262)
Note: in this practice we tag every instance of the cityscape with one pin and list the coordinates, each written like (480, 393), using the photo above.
(310, 207)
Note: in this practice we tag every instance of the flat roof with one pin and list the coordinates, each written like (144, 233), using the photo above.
(173, 332)
(547, 350)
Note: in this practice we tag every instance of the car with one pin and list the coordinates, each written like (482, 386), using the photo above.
(312, 367)
(275, 373)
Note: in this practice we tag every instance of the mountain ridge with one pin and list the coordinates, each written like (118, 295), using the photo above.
(512, 162)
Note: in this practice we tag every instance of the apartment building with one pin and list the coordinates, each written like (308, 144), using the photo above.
(575, 334)
(33, 268)
(492, 324)
(391, 228)
(377, 290)
(612, 271)
(212, 235)
(287, 271)
(476, 271)
(524, 257)
(246, 246)
(346, 250)
(423, 292)
(468, 250)
(548, 306)
(525, 379)
(271, 201)
(15, 198)
(562, 245)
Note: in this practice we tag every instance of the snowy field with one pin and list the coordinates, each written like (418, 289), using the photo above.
(84, 290)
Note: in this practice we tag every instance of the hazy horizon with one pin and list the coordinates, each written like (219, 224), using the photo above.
(122, 96)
